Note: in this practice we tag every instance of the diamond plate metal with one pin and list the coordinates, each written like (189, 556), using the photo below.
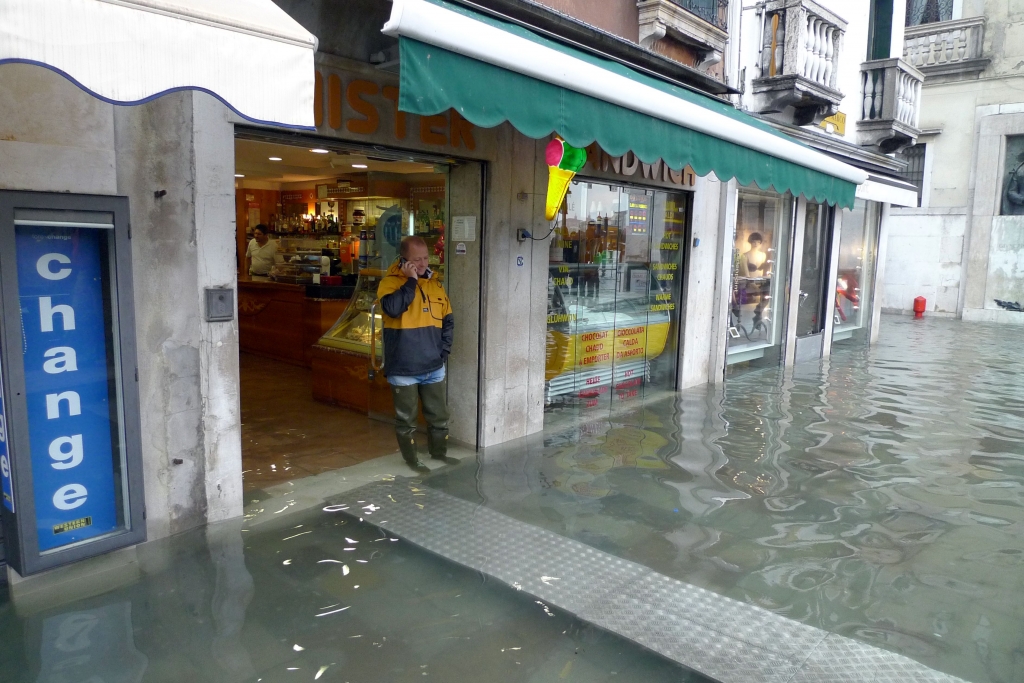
(725, 639)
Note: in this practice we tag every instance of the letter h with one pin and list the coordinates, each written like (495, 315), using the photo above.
(47, 310)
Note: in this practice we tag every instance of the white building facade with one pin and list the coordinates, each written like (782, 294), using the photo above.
(962, 248)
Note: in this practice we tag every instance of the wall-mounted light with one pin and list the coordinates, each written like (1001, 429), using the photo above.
(275, 158)
(319, 150)
(359, 166)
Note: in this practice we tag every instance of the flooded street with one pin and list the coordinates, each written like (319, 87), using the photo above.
(316, 596)
(878, 496)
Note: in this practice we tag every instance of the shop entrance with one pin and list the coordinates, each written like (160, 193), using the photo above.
(614, 287)
(318, 226)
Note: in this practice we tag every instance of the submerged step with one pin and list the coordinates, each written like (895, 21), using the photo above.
(725, 639)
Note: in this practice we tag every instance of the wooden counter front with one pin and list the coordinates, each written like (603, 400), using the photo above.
(276, 320)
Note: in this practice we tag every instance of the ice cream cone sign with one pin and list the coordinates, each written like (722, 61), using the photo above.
(564, 162)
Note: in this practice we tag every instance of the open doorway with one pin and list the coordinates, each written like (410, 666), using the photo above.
(316, 228)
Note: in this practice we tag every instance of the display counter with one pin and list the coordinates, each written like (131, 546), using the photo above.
(341, 357)
(277, 320)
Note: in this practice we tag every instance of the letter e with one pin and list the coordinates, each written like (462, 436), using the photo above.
(69, 497)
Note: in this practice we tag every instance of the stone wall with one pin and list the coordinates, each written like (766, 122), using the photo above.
(55, 137)
(924, 258)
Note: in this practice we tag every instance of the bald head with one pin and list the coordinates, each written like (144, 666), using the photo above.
(414, 250)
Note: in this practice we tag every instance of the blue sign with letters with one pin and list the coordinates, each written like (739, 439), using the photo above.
(6, 487)
(71, 393)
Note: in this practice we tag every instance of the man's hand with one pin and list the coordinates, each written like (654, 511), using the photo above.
(409, 270)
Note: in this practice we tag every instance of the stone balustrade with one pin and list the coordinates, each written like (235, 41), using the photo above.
(800, 50)
(891, 105)
(947, 50)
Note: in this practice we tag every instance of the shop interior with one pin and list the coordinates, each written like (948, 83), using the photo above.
(858, 248)
(760, 261)
(334, 216)
(614, 287)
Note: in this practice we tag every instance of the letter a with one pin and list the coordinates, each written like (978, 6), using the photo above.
(47, 310)
(63, 359)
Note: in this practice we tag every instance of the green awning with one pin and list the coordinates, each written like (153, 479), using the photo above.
(489, 88)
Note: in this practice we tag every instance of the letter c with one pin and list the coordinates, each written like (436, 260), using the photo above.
(43, 266)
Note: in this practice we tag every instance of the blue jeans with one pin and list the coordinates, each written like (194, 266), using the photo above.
(409, 380)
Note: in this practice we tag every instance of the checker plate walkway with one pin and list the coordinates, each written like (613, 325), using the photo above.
(727, 640)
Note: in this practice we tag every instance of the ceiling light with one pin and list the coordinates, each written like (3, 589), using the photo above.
(358, 165)
(320, 150)
(275, 158)
(239, 175)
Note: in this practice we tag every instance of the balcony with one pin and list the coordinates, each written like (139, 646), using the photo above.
(698, 24)
(947, 50)
(800, 50)
(891, 109)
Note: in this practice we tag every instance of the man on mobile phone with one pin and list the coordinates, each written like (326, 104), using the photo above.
(418, 330)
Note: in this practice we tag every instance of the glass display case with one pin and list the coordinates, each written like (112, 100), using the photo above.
(614, 284)
(295, 268)
(352, 331)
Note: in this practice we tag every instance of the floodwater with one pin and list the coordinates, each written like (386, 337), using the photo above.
(318, 596)
(878, 495)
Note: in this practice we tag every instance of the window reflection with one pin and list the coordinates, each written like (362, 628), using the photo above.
(613, 293)
(858, 244)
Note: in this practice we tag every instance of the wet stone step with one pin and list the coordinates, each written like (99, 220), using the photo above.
(724, 639)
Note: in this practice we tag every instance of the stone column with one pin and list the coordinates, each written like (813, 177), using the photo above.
(700, 333)
(175, 161)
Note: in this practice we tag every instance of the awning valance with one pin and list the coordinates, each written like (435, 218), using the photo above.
(492, 71)
(248, 53)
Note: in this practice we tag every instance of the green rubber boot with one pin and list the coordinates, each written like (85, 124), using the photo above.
(406, 410)
(435, 409)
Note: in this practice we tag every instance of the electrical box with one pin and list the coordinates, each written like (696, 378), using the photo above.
(220, 304)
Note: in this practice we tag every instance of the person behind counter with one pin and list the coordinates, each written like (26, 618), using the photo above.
(418, 333)
(259, 257)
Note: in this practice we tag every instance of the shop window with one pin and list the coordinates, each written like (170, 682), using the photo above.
(928, 11)
(614, 291)
(915, 157)
(858, 248)
(760, 268)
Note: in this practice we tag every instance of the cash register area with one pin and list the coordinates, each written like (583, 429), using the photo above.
(304, 328)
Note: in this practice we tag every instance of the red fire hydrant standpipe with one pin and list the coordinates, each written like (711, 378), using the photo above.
(920, 303)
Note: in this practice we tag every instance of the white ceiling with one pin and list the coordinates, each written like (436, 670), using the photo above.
(298, 164)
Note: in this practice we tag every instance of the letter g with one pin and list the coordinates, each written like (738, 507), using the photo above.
(43, 266)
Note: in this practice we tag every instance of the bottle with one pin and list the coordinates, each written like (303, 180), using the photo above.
(364, 248)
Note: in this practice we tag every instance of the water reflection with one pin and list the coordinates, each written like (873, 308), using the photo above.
(316, 596)
(878, 495)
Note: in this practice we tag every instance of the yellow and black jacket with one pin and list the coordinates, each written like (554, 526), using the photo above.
(418, 323)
